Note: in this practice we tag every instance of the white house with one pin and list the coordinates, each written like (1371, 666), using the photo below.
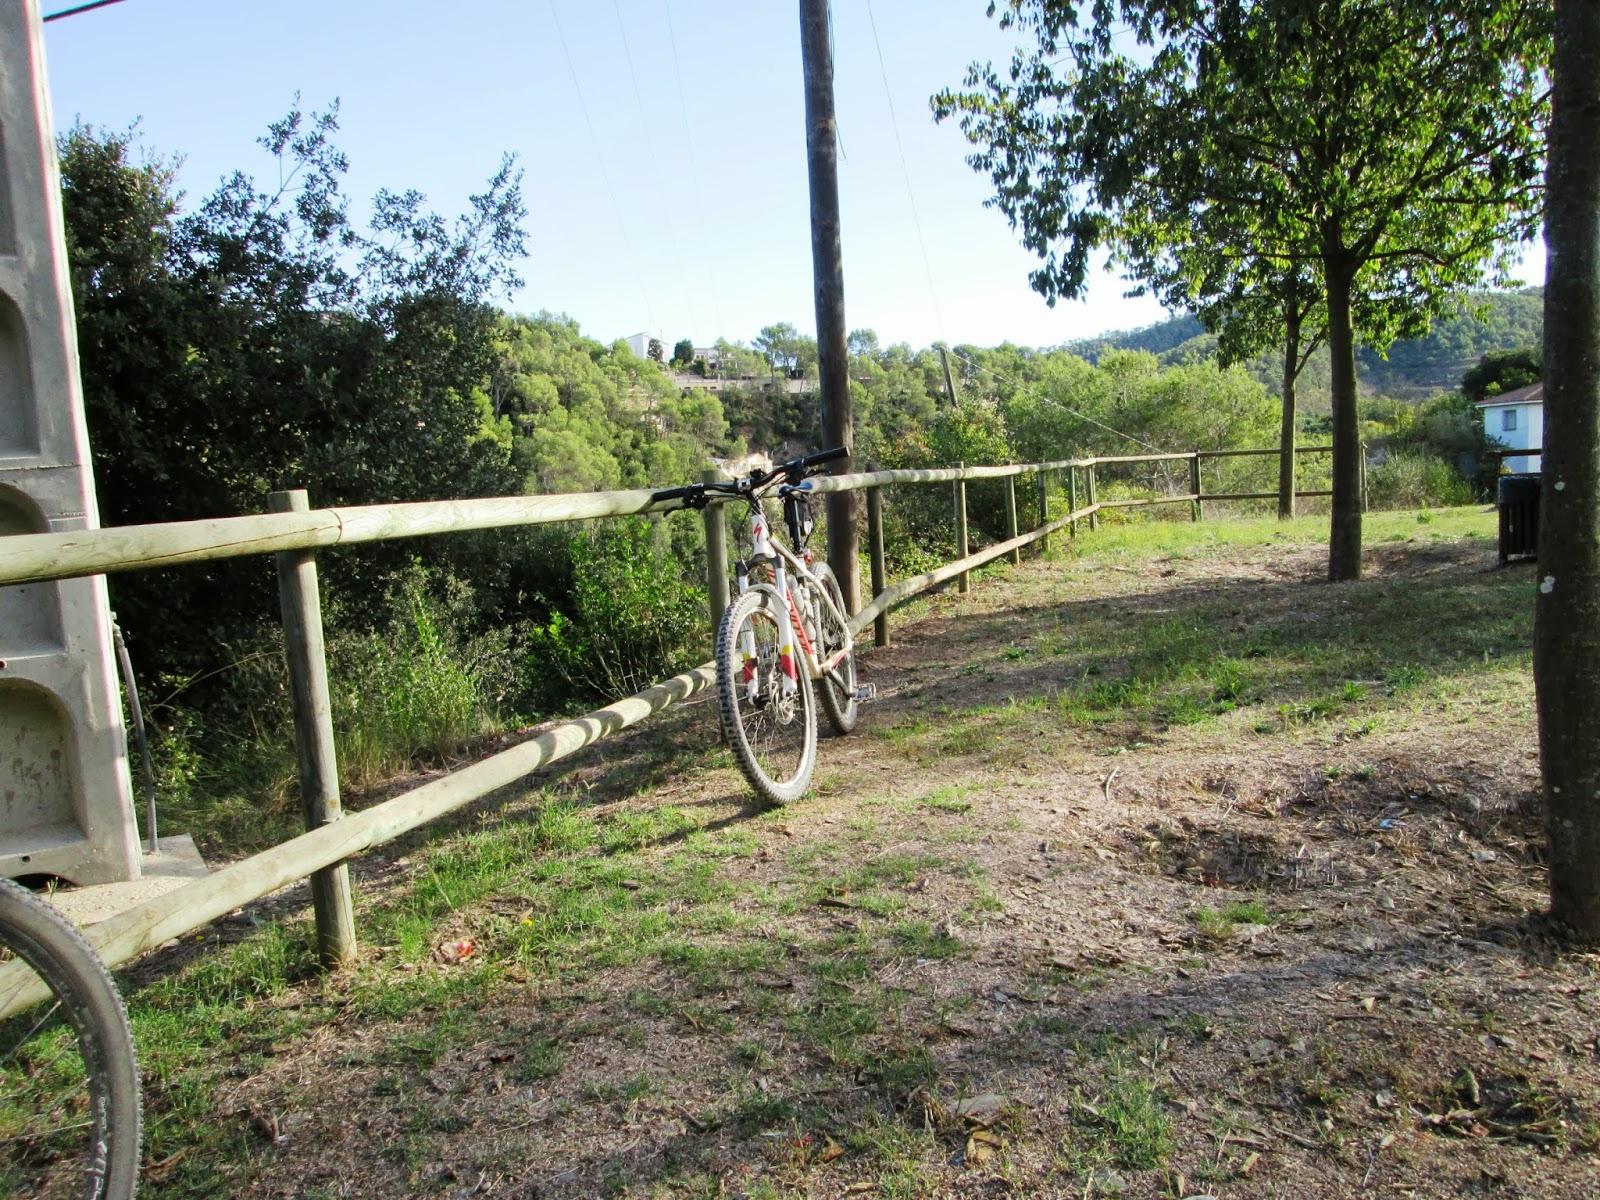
(1516, 420)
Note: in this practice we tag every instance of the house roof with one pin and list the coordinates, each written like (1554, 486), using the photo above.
(1532, 394)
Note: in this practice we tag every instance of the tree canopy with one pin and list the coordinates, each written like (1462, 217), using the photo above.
(1394, 148)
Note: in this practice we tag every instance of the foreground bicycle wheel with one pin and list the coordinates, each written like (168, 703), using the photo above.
(838, 702)
(69, 1084)
(771, 727)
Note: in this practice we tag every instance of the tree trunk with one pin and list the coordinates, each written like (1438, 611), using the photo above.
(1291, 371)
(1566, 648)
(1344, 535)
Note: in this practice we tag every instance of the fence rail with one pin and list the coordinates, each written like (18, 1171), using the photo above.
(332, 837)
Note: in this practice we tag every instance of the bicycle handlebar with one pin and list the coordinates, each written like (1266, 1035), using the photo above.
(694, 495)
(823, 456)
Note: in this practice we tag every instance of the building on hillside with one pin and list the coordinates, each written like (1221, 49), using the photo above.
(639, 343)
(1515, 419)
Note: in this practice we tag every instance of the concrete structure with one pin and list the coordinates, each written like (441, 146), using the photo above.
(65, 801)
(1516, 420)
(639, 343)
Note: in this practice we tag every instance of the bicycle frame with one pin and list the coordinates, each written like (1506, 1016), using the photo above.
(767, 548)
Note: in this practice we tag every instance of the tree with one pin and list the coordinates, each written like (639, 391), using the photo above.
(1250, 302)
(263, 341)
(1278, 120)
(863, 343)
(1503, 371)
(655, 351)
(778, 344)
(1566, 646)
(683, 352)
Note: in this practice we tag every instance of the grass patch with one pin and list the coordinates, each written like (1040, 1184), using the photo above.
(1288, 656)
(949, 799)
(1219, 923)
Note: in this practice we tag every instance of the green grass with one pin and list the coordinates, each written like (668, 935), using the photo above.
(1291, 658)
(1317, 656)
(1151, 539)
(804, 965)
(1220, 923)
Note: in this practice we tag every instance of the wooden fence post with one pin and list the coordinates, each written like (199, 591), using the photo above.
(964, 583)
(1363, 477)
(301, 602)
(1072, 500)
(880, 577)
(1194, 485)
(1094, 517)
(716, 557)
(1044, 510)
(1011, 517)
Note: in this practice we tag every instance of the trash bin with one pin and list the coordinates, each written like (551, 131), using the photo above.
(1519, 516)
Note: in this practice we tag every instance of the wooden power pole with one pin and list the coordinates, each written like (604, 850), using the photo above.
(827, 272)
(1566, 622)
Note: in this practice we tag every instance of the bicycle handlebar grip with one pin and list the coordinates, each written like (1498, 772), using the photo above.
(824, 456)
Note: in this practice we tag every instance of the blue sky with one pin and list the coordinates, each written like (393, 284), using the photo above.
(650, 208)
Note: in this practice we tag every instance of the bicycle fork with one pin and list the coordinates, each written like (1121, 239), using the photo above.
(788, 669)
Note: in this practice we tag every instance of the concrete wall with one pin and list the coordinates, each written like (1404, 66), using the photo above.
(65, 803)
(1528, 434)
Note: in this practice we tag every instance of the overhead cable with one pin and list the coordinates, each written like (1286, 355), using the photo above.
(1082, 416)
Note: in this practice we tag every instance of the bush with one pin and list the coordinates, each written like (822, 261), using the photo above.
(629, 620)
(1410, 480)
(409, 688)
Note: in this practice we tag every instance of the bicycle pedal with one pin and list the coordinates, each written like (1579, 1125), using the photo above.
(866, 693)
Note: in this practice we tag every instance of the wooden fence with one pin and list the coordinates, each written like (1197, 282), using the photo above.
(294, 532)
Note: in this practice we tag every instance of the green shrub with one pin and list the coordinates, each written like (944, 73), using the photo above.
(629, 620)
(1411, 480)
(405, 689)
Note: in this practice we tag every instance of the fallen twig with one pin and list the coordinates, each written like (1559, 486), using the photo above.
(1105, 786)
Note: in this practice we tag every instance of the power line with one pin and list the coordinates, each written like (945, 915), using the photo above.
(649, 146)
(605, 178)
(1033, 391)
(694, 170)
(905, 171)
(81, 8)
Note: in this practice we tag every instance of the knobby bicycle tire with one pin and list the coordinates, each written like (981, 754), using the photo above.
(769, 732)
(841, 707)
(69, 1082)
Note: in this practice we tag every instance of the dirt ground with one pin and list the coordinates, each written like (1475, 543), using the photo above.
(1015, 944)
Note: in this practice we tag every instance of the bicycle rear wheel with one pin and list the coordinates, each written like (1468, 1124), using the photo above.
(69, 1083)
(838, 699)
(768, 712)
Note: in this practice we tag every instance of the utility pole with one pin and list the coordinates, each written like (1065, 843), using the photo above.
(827, 272)
(949, 380)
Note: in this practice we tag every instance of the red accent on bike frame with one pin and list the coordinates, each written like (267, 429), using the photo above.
(799, 628)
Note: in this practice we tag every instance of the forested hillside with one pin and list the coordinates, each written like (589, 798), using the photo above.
(1412, 370)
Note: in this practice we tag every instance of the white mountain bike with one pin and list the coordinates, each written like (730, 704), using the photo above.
(784, 640)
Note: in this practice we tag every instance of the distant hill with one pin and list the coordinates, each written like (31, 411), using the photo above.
(1413, 370)
(1159, 339)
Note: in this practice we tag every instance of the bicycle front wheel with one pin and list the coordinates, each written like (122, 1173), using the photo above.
(69, 1084)
(764, 696)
